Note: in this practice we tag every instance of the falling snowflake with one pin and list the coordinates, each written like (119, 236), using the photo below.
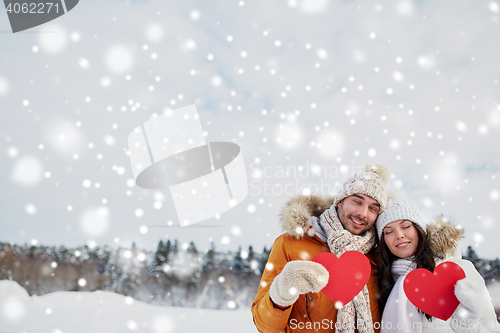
(27, 171)
(119, 59)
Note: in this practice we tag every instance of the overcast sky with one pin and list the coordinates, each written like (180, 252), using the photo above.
(312, 87)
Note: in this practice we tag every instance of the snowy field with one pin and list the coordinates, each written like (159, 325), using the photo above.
(99, 311)
(96, 312)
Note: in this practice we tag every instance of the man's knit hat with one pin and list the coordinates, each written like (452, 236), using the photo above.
(398, 209)
(370, 182)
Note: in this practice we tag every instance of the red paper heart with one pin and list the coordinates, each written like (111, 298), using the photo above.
(434, 293)
(348, 274)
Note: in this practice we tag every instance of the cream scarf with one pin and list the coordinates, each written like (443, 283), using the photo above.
(340, 241)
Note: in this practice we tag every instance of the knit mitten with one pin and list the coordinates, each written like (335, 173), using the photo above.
(297, 277)
(463, 320)
(473, 295)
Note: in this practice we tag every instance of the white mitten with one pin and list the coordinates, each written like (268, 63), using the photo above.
(473, 296)
(464, 320)
(470, 293)
(297, 277)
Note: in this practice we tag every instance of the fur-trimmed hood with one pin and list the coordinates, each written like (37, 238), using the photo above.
(295, 219)
(443, 236)
(295, 216)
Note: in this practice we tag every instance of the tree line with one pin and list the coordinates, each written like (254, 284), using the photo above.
(173, 275)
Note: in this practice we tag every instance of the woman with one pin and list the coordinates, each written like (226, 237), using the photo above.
(406, 242)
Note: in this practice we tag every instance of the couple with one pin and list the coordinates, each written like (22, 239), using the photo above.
(394, 238)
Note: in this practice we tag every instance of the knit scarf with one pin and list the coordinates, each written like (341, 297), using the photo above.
(340, 241)
(399, 312)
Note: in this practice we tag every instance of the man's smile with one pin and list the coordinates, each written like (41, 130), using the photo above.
(357, 221)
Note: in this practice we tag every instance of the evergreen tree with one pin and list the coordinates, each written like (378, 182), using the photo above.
(132, 272)
(472, 255)
(495, 270)
(251, 254)
(192, 249)
(192, 258)
(175, 248)
(237, 265)
(168, 249)
(114, 269)
(33, 251)
(252, 263)
(474, 258)
(61, 254)
(161, 257)
(209, 263)
(263, 260)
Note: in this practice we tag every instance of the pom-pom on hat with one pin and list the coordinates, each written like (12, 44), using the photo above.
(399, 209)
(370, 182)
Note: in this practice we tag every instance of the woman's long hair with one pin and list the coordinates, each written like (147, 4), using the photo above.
(424, 258)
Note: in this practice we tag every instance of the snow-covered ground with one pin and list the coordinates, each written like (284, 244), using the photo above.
(99, 311)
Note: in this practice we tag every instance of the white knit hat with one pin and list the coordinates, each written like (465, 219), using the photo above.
(370, 182)
(398, 209)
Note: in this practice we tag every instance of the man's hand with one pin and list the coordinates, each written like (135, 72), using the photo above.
(297, 277)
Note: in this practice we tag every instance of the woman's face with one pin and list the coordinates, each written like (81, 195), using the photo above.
(401, 237)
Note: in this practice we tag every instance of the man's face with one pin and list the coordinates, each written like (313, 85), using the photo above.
(357, 213)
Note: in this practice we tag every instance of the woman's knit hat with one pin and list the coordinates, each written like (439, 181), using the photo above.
(370, 182)
(398, 209)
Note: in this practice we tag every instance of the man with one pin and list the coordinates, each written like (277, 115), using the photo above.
(288, 298)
